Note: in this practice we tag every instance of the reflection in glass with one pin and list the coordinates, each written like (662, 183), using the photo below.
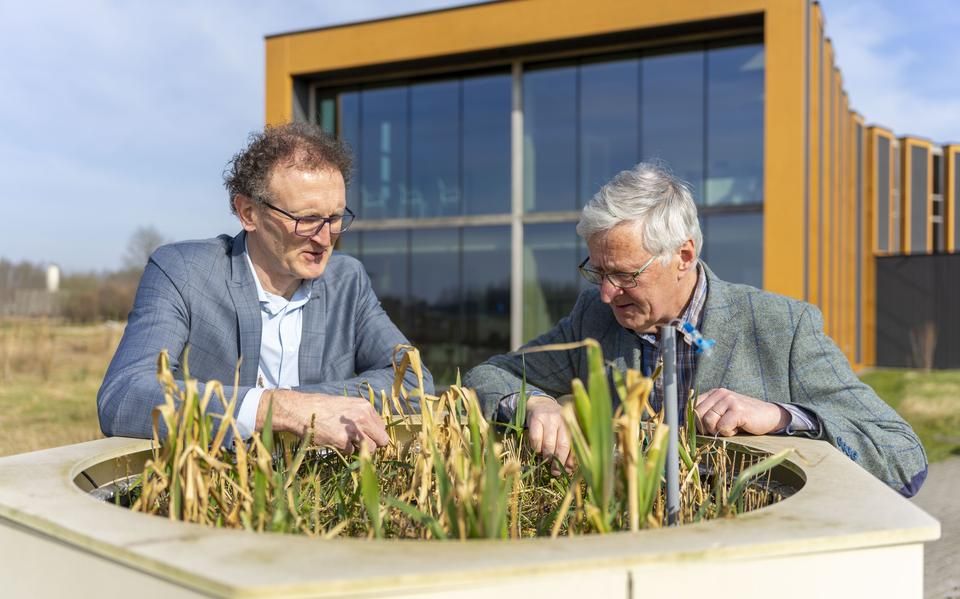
(486, 293)
(486, 144)
(549, 139)
(384, 255)
(383, 155)
(672, 117)
(735, 125)
(434, 149)
(609, 114)
(551, 283)
(435, 302)
(733, 247)
(349, 132)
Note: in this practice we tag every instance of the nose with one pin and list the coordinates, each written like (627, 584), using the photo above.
(608, 290)
(323, 235)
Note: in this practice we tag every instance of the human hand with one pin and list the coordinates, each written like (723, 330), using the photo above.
(344, 423)
(725, 413)
(548, 434)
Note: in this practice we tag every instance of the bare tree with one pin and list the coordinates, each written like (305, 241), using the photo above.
(142, 243)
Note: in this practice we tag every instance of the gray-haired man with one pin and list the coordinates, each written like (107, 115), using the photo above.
(773, 370)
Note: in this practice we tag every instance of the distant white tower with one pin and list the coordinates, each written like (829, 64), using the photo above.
(53, 278)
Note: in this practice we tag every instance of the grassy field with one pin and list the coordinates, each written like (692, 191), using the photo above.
(49, 376)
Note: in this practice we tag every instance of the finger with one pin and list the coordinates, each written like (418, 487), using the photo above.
(706, 401)
(563, 446)
(376, 431)
(571, 463)
(710, 419)
(727, 425)
(536, 434)
(549, 446)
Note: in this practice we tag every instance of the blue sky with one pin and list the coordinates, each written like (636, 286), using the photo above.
(120, 114)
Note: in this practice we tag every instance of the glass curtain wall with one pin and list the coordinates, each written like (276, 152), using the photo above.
(440, 149)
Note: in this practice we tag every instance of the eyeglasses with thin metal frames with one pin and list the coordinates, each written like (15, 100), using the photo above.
(304, 226)
(621, 280)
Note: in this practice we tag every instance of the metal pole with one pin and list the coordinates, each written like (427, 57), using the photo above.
(668, 352)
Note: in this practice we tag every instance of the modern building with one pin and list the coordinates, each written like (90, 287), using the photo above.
(480, 131)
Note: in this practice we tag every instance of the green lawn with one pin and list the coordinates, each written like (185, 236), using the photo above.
(929, 401)
(49, 376)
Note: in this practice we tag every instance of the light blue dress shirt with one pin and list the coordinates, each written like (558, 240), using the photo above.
(282, 328)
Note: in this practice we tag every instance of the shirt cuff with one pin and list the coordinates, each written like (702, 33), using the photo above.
(247, 415)
(802, 421)
(507, 406)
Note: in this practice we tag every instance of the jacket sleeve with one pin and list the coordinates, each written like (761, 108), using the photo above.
(853, 418)
(547, 372)
(376, 340)
(160, 320)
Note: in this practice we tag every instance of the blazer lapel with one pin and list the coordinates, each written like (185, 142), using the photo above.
(243, 292)
(719, 317)
(313, 333)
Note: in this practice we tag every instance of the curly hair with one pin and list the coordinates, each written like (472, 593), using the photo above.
(301, 145)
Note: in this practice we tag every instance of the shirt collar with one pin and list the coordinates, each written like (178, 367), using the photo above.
(693, 311)
(272, 303)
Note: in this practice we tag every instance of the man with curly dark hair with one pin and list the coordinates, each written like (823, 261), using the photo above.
(301, 320)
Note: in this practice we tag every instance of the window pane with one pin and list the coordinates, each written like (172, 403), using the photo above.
(672, 117)
(550, 277)
(349, 243)
(733, 247)
(918, 200)
(486, 292)
(435, 302)
(434, 149)
(735, 125)
(486, 144)
(385, 258)
(883, 194)
(549, 139)
(383, 162)
(349, 132)
(609, 114)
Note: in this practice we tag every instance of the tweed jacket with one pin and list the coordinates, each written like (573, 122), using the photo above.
(201, 295)
(768, 347)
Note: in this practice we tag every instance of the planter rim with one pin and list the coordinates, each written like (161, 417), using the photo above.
(840, 507)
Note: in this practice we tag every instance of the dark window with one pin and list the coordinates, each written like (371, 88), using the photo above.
(434, 149)
(486, 144)
(349, 131)
(733, 247)
(858, 248)
(735, 125)
(551, 283)
(435, 301)
(384, 255)
(883, 195)
(919, 221)
(672, 115)
(550, 139)
(609, 114)
(486, 293)
(383, 152)
(956, 202)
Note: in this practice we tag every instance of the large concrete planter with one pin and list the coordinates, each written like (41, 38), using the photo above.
(844, 534)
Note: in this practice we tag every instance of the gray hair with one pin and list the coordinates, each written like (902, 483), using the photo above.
(651, 195)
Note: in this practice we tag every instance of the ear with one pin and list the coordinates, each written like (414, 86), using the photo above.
(246, 212)
(688, 257)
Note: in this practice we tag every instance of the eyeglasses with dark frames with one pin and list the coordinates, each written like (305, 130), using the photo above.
(308, 226)
(621, 280)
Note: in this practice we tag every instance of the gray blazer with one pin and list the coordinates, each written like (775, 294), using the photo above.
(202, 295)
(768, 346)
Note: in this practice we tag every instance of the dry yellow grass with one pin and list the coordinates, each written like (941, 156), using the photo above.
(49, 376)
